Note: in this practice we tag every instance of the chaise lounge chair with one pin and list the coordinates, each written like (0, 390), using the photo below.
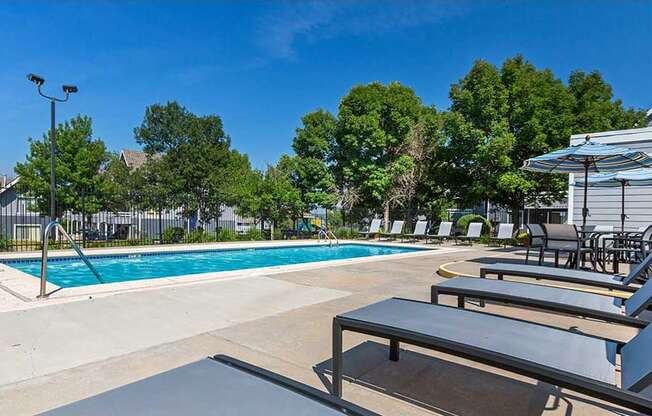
(374, 228)
(602, 280)
(419, 231)
(583, 363)
(219, 386)
(472, 234)
(443, 233)
(505, 234)
(554, 299)
(396, 231)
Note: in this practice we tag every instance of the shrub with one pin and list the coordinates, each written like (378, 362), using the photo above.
(344, 233)
(278, 234)
(464, 221)
(4, 243)
(198, 235)
(252, 234)
(173, 235)
(522, 238)
(227, 235)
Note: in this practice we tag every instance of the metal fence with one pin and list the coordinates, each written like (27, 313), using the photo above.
(21, 226)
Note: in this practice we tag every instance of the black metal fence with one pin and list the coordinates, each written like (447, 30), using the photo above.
(21, 226)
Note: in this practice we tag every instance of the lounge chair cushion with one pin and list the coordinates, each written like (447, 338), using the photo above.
(536, 344)
(537, 292)
(545, 271)
(205, 387)
(635, 361)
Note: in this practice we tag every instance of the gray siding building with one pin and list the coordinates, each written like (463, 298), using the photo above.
(605, 203)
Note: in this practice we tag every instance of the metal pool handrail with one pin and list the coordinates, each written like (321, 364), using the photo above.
(328, 236)
(44, 256)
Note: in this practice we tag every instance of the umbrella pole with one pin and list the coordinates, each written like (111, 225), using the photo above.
(585, 210)
(622, 207)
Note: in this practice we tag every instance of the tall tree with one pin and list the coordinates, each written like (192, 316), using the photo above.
(374, 123)
(313, 145)
(79, 161)
(595, 109)
(195, 154)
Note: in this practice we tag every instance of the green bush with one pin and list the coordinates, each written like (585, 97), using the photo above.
(198, 235)
(227, 235)
(464, 221)
(345, 233)
(253, 234)
(278, 234)
(522, 238)
(4, 243)
(173, 235)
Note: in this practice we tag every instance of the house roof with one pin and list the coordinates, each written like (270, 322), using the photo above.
(9, 183)
(615, 136)
(133, 158)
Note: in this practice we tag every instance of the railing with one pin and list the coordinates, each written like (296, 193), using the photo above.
(44, 256)
(326, 234)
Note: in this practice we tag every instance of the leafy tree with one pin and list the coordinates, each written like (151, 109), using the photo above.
(595, 109)
(374, 122)
(313, 145)
(79, 162)
(499, 118)
(194, 160)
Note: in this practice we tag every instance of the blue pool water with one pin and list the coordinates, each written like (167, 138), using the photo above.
(71, 272)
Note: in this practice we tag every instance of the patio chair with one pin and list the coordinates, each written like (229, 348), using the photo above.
(568, 359)
(396, 230)
(632, 247)
(553, 299)
(374, 228)
(443, 233)
(419, 231)
(602, 280)
(213, 386)
(536, 240)
(564, 238)
(505, 234)
(472, 234)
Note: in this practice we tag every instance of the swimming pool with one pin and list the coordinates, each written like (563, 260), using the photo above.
(72, 272)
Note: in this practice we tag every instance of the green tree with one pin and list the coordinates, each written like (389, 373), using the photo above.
(499, 118)
(195, 158)
(313, 145)
(374, 122)
(79, 161)
(595, 109)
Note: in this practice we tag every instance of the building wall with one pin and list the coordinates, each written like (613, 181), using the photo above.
(605, 203)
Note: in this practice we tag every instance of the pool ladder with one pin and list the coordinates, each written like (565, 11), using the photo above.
(326, 234)
(44, 256)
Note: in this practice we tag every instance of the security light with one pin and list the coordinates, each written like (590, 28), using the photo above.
(69, 89)
(36, 79)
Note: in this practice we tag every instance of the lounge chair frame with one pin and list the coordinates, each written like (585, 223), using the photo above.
(564, 379)
(560, 307)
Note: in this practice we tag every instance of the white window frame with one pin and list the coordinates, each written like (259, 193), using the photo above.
(40, 235)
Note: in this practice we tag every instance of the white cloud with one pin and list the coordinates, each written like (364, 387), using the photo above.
(318, 20)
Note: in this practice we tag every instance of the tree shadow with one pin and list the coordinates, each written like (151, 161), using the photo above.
(450, 388)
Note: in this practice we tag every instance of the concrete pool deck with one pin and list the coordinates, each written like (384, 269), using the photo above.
(62, 352)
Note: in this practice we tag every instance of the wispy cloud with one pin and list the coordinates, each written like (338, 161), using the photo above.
(313, 21)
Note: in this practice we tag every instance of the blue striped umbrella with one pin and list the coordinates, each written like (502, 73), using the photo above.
(634, 177)
(588, 157)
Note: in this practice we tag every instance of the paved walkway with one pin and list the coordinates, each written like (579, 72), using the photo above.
(285, 333)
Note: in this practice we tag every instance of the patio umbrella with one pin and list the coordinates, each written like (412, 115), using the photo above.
(588, 157)
(634, 177)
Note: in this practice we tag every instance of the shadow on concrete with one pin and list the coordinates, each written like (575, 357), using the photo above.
(521, 260)
(449, 388)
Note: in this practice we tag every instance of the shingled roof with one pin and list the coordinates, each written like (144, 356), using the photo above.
(135, 159)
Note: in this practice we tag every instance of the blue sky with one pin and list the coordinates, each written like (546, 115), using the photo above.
(262, 65)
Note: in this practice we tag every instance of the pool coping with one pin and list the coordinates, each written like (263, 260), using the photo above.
(25, 286)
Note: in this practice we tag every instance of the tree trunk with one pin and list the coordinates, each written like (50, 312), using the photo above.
(386, 217)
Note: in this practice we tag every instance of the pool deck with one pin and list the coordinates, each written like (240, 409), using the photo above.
(72, 347)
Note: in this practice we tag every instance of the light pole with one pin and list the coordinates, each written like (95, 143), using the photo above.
(67, 89)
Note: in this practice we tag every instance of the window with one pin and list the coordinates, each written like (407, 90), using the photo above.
(27, 232)
(23, 204)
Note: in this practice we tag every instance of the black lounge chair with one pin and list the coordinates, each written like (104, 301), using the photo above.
(214, 386)
(555, 299)
(607, 281)
(579, 362)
